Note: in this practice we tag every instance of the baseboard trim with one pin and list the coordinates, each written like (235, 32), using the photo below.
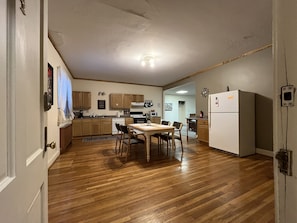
(264, 152)
(53, 159)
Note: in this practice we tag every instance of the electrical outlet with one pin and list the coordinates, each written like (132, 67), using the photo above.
(284, 158)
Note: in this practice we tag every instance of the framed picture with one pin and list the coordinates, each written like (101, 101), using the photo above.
(50, 84)
(168, 106)
(101, 104)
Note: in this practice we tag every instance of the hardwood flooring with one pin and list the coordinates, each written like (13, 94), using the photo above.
(89, 183)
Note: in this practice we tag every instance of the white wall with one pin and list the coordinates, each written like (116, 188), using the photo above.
(150, 93)
(190, 107)
(52, 115)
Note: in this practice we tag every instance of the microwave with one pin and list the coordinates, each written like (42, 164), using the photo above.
(152, 114)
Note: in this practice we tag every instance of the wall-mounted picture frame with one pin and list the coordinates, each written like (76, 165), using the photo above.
(50, 84)
(168, 106)
(101, 104)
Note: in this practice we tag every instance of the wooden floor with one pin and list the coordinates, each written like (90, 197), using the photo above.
(89, 183)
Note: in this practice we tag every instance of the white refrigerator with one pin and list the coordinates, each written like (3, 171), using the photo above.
(231, 120)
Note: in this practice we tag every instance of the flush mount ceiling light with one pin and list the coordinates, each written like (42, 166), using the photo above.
(181, 92)
(148, 60)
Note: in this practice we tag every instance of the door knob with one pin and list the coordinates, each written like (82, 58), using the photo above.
(51, 145)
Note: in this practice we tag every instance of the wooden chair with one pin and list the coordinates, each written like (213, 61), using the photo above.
(119, 137)
(158, 135)
(177, 135)
(129, 138)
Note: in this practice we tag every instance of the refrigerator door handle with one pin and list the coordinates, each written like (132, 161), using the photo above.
(209, 110)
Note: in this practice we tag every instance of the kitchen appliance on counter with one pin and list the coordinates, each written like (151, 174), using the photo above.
(231, 122)
(153, 114)
(138, 117)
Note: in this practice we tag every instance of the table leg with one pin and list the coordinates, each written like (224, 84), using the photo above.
(173, 140)
(148, 144)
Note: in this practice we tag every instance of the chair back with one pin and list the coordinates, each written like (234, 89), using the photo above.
(163, 122)
(177, 125)
(124, 129)
(118, 127)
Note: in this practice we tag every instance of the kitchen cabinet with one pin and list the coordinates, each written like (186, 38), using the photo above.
(202, 128)
(127, 99)
(81, 100)
(76, 127)
(116, 101)
(65, 137)
(91, 126)
(156, 120)
(87, 126)
(123, 101)
(105, 126)
(129, 120)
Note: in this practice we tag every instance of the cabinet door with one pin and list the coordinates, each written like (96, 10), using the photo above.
(76, 127)
(86, 127)
(156, 120)
(127, 99)
(129, 121)
(138, 98)
(116, 101)
(203, 132)
(96, 126)
(86, 100)
(106, 126)
(77, 100)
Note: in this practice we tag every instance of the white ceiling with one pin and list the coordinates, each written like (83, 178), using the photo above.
(104, 39)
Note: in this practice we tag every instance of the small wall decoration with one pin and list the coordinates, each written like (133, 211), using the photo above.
(101, 104)
(50, 84)
(168, 106)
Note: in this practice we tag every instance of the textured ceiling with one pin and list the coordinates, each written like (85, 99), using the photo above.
(105, 39)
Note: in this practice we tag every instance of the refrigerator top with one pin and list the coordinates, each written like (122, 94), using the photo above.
(224, 102)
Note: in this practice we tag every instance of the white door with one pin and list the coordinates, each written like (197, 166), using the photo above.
(224, 131)
(23, 169)
(224, 102)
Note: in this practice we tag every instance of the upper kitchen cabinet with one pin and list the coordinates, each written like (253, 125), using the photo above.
(116, 101)
(123, 101)
(81, 100)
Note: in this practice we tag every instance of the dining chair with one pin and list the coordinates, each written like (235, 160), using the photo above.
(129, 138)
(119, 137)
(158, 135)
(177, 135)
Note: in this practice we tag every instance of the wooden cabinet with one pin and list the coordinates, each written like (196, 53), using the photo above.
(87, 127)
(81, 100)
(123, 101)
(105, 126)
(202, 127)
(91, 126)
(76, 127)
(65, 137)
(129, 120)
(156, 120)
(116, 101)
(127, 99)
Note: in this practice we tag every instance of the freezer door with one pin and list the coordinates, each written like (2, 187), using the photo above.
(224, 132)
(224, 102)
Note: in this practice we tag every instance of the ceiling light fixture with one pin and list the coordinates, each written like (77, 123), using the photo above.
(181, 92)
(148, 60)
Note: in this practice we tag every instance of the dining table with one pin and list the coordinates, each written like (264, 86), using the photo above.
(149, 129)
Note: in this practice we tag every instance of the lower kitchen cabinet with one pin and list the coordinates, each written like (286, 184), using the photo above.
(91, 126)
(65, 137)
(129, 120)
(202, 128)
(156, 120)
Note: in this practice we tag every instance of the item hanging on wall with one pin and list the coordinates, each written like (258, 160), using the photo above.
(148, 103)
(204, 92)
(101, 104)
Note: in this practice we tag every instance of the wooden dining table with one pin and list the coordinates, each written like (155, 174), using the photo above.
(150, 129)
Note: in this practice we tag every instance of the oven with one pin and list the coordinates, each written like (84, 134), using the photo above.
(138, 117)
(139, 120)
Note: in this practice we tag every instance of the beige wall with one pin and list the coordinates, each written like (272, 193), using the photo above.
(52, 115)
(253, 73)
(150, 93)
